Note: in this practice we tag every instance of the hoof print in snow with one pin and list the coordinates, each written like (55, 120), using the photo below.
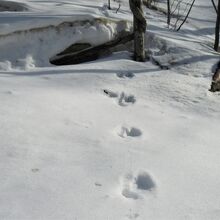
(130, 132)
(110, 93)
(144, 181)
(35, 170)
(124, 99)
(125, 75)
(134, 187)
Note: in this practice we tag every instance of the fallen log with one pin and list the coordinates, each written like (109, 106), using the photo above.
(91, 53)
(75, 48)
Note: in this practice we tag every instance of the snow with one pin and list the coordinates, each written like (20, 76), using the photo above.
(38, 45)
(113, 138)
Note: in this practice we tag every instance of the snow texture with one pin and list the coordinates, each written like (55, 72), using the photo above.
(110, 139)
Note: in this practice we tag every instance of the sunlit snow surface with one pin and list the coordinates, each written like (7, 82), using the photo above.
(111, 139)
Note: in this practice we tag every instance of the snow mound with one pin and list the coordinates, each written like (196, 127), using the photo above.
(37, 45)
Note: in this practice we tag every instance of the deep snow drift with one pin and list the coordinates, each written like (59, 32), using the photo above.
(110, 139)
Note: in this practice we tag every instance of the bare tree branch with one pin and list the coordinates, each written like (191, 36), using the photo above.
(186, 16)
(214, 6)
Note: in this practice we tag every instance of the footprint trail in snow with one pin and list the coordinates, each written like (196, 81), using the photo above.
(131, 187)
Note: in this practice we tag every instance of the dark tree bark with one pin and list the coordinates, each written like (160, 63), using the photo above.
(217, 27)
(109, 4)
(168, 13)
(215, 86)
(139, 28)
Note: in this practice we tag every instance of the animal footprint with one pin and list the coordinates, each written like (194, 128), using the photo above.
(35, 170)
(125, 75)
(134, 187)
(123, 99)
(144, 181)
(129, 132)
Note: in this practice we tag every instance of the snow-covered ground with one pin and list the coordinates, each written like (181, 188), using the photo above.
(112, 139)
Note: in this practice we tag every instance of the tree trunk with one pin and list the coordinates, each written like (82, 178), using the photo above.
(109, 4)
(168, 13)
(139, 28)
(217, 27)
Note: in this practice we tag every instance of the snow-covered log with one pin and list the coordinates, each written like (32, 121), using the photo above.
(91, 53)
